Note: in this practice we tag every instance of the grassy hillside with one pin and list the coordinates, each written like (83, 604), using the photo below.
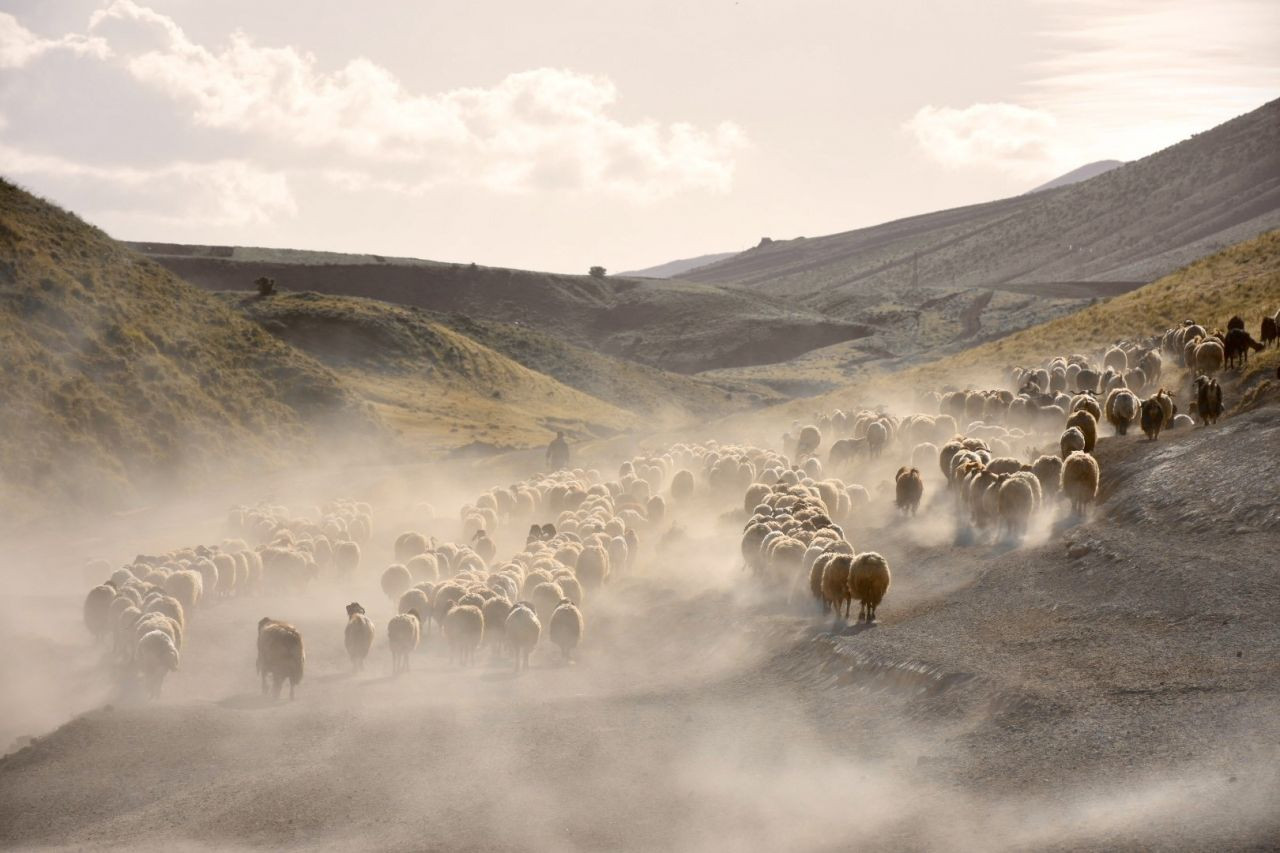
(442, 390)
(673, 325)
(1243, 279)
(119, 380)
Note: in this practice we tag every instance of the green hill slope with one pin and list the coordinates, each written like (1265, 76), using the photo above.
(120, 381)
(441, 389)
(1243, 279)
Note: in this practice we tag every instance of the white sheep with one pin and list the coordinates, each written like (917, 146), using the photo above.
(523, 629)
(346, 558)
(403, 633)
(155, 656)
(1121, 408)
(187, 586)
(464, 629)
(566, 628)
(395, 580)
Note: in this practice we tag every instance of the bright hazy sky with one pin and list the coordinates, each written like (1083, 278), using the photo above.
(556, 134)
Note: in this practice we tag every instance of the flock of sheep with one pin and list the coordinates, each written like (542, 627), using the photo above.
(583, 528)
(974, 436)
(143, 609)
(461, 589)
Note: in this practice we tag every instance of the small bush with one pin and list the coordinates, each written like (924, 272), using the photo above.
(597, 272)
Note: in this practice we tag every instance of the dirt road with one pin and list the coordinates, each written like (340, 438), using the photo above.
(1111, 685)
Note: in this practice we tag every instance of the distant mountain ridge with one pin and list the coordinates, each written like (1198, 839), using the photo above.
(674, 269)
(1134, 223)
(1075, 176)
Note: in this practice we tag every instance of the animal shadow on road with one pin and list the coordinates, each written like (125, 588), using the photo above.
(840, 629)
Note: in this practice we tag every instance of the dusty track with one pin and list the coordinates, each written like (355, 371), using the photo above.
(1121, 693)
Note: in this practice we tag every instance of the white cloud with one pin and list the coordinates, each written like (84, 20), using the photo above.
(546, 128)
(1119, 79)
(19, 46)
(222, 193)
(1000, 135)
(1130, 76)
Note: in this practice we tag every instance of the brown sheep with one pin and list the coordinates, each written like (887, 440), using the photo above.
(835, 584)
(816, 574)
(1071, 441)
(910, 488)
(1016, 500)
(869, 579)
(358, 636)
(1236, 347)
(1152, 418)
(1088, 403)
(1079, 481)
(280, 655)
(1083, 420)
(1270, 331)
(464, 629)
(1048, 470)
(97, 610)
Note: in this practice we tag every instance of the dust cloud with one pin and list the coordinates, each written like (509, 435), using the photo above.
(702, 711)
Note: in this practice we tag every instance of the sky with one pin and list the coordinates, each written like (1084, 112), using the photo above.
(560, 134)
